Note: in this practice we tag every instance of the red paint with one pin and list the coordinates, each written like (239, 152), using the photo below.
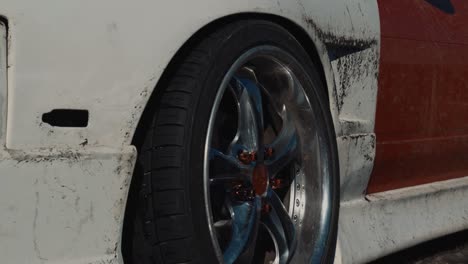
(422, 107)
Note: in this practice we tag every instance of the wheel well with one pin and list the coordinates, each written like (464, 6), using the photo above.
(297, 31)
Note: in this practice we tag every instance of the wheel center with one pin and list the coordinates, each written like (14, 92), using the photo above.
(260, 180)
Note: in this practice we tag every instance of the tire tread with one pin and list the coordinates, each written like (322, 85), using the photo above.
(166, 205)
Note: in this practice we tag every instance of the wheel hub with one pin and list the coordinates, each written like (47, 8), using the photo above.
(260, 180)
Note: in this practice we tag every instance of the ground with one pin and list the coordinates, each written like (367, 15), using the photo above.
(452, 249)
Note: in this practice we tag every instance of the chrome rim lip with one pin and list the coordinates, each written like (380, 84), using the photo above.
(239, 62)
(325, 203)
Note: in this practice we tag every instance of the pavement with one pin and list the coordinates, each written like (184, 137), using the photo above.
(452, 249)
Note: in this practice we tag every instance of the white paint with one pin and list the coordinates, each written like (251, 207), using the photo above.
(107, 56)
(64, 206)
(394, 220)
(357, 154)
(356, 83)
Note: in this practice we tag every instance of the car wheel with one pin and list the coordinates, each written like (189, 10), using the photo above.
(239, 163)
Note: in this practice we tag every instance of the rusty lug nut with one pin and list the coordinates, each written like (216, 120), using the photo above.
(242, 193)
(247, 157)
(276, 183)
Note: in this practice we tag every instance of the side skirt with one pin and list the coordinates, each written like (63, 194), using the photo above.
(390, 221)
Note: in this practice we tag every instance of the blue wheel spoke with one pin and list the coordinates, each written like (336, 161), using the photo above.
(281, 227)
(249, 134)
(245, 221)
(285, 146)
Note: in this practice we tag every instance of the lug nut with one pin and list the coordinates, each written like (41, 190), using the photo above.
(242, 193)
(278, 183)
(247, 157)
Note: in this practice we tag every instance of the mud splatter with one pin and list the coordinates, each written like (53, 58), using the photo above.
(339, 46)
(84, 143)
(351, 61)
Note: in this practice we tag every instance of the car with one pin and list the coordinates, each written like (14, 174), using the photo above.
(230, 131)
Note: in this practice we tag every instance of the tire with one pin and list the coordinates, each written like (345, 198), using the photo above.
(171, 223)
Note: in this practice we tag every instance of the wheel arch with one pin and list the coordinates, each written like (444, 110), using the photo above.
(295, 29)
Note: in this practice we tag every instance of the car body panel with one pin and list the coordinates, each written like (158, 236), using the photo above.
(64, 189)
(422, 111)
(63, 206)
(100, 51)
